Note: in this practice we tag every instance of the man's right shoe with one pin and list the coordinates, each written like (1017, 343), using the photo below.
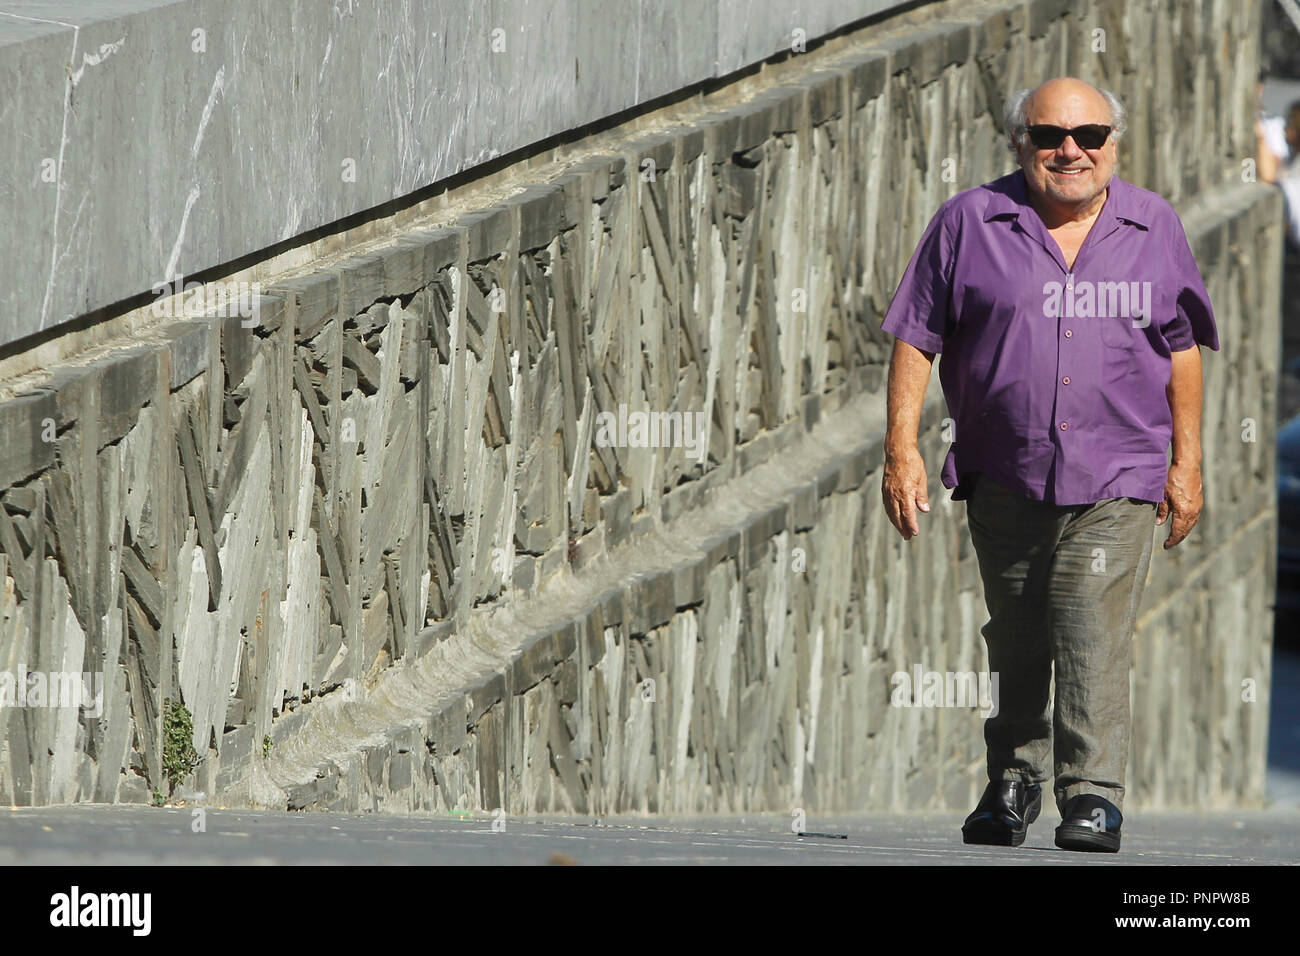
(1003, 815)
(1090, 822)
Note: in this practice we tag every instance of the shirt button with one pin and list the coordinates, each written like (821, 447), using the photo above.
(1064, 426)
(1066, 380)
(1068, 333)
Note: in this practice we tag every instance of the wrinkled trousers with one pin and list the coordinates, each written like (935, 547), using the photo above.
(1062, 585)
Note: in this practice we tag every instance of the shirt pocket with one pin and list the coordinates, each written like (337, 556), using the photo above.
(1118, 332)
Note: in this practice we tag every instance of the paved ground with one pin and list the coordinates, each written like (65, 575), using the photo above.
(142, 835)
(78, 836)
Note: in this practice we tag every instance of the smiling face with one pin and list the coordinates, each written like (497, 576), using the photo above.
(1067, 177)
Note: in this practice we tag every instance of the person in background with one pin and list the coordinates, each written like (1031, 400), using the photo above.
(1278, 162)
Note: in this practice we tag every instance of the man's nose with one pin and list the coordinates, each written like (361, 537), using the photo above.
(1069, 150)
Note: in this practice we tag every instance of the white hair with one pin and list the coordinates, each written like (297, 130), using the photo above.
(1014, 120)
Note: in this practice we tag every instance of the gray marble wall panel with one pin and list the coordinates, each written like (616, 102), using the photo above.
(198, 132)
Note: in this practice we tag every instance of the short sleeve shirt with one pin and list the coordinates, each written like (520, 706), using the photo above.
(1055, 377)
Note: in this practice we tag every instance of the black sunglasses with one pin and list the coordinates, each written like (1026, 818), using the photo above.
(1092, 136)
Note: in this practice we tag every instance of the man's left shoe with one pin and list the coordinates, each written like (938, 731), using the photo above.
(1090, 823)
(1003, 814)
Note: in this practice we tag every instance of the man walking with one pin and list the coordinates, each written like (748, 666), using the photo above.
(1069, 311)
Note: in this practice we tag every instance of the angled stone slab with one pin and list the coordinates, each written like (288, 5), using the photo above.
(544, 212)
(659, 149)
(993, 31)
(442, 248)
(599, 171)
(927, 52)
(488, 232)
(1043, 13)
(127, 383)
(753, 122)
(403, 267)
(361, 284)
(314, 299)
(825, 95)
(868, 74)
(789, 108)
(23, 422)
(239, 343)
(268, 313)
(187, 349)
(76, 388)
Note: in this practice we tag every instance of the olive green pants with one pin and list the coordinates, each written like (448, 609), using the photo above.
(1062, 585)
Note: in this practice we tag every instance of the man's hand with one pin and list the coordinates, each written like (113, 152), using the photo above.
(904, 490)
(904, 485)
(1183, 499)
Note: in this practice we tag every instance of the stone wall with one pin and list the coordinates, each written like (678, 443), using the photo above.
(374, 542)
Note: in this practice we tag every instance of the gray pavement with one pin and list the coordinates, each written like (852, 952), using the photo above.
(87, 836)
(98, 835)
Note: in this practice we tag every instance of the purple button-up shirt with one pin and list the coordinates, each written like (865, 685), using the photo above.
(1055, 378)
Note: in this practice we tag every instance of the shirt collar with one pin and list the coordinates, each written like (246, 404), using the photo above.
(1009, 198)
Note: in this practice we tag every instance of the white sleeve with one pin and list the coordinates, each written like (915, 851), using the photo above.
(1275, 136)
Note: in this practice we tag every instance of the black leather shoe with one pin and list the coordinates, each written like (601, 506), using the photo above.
(1003, 815)
(1090, 823)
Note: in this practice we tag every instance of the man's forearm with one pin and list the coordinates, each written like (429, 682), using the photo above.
(909, 374)
(1184, 393)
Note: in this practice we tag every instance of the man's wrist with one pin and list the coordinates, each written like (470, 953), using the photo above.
(900, 448)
